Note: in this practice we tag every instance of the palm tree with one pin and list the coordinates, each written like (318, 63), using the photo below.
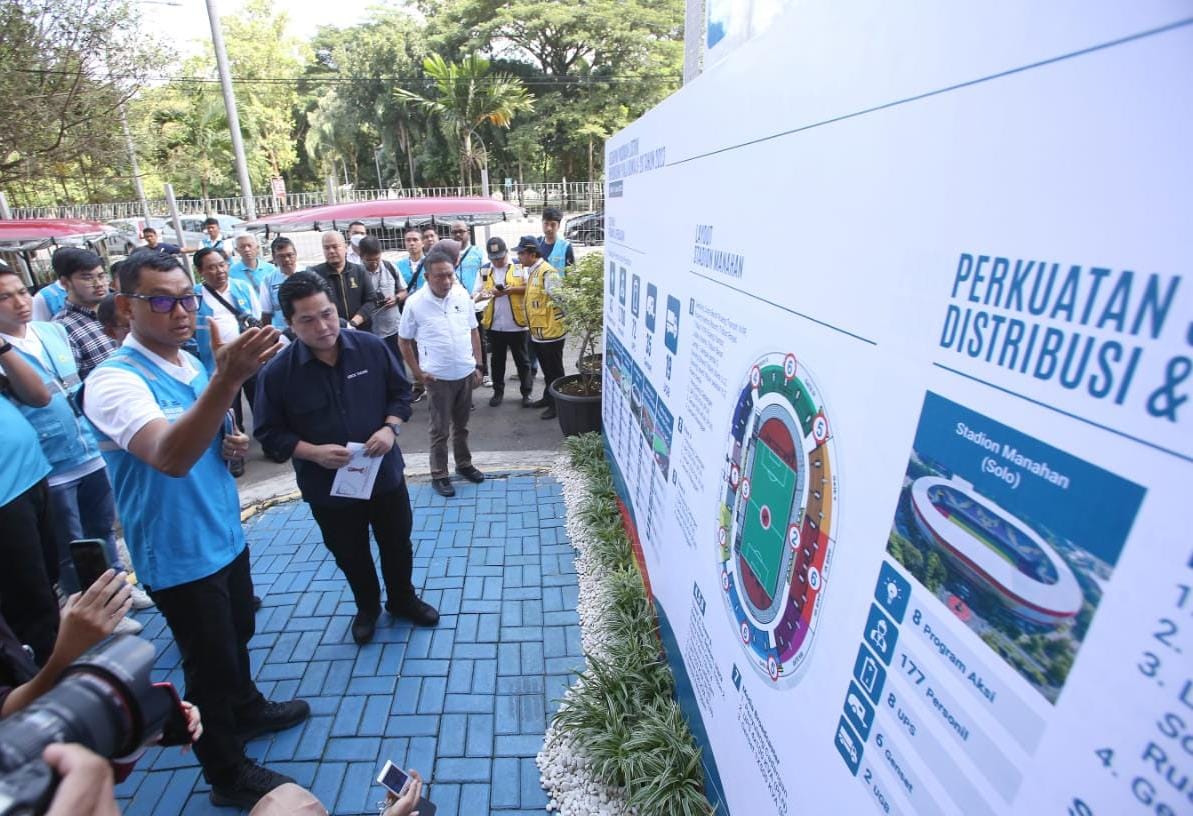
(466, 96)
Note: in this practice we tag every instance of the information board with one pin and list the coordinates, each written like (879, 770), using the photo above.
(899, 358)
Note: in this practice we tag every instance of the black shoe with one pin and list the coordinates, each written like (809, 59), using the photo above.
(415, 610)
(443, 487)
(363, 626)
(471, 474)
(418, 395)
(495, 400)
(251, 783)
(541, 403)
(549, 413)
(274, 717)
(527, 401)
(256, 603)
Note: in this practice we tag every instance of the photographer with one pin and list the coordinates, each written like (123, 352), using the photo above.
(389, 293)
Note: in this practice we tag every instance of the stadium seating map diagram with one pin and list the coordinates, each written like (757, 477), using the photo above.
(775, 519)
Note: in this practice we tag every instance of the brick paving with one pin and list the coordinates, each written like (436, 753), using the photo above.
(465, 703)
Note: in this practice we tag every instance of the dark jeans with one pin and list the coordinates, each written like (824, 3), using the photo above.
(345, 530)
(515, 342)
(451, 405)
(83, 508)
(551, 361)
(29, 569)
(484, 337)
(212, 621)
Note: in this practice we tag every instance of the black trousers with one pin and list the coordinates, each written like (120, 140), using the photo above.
(30, 568)
(345, 531)
(551, 362)
(212, 621)
(515, 342)
(484, 337)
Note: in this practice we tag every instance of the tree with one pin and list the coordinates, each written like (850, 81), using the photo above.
(188, 138)
(66, 67)
(466, 96)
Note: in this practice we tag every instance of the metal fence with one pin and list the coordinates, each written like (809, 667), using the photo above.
(572, 197)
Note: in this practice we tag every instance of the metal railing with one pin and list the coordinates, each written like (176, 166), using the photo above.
(572, 197)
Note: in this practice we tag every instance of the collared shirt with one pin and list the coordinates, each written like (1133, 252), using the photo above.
(386, 281)
(442, 327)
(86, 335)
(300, 398)
(253, 277)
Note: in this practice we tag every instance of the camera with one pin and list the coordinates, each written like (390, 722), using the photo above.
(247, 322)
(106, 702)
(379, 299)
(500, 287)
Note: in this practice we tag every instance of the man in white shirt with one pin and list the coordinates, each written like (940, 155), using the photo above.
(501, 290)
(441, 319)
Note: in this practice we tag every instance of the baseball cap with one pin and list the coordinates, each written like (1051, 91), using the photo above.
(496, 248)
(530, 242)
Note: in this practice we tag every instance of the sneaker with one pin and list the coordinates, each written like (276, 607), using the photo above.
(443, 487)
(495, 400)
(541, 403)
(418, 395)
(128, 626)
(415, 610)
(141, 599)
(487, 381)
(363, 627)
(471, 474)
(251, 783)
(274, 717)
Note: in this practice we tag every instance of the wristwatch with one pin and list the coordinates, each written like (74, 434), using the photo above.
(396, 427)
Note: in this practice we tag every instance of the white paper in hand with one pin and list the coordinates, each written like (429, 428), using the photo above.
(355, 479)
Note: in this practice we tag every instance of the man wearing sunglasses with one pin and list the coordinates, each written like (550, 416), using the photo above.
(159, 418)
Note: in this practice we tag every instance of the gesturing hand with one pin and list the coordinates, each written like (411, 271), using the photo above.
(331, 457)
(244, 356)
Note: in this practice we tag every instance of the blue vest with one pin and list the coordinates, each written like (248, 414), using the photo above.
(54, 295)
(468, 267)
(178, 530)
(407, 272)
(559, 253)
(275, 280)
(65, 440)
(253, 277)
(240, 296)
(23, 464)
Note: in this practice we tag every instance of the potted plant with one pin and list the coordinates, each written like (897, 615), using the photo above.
(578, 396)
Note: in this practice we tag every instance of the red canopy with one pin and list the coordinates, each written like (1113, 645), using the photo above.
(35, 233)
(389, 212)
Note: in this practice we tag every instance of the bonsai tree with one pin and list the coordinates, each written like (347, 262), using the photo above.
(582, 296)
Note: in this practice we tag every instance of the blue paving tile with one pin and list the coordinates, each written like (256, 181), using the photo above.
(453, 769)
(453, 732)
(354, 748)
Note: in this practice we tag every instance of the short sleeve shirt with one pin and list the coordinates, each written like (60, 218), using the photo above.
(442, 327)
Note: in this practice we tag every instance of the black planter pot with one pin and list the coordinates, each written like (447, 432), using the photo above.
(577, 415)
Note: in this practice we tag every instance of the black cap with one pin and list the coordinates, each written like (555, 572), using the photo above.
(496, 248)
(530, 242)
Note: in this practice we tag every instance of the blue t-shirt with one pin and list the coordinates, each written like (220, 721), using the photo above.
(23, 463)
(253, 277)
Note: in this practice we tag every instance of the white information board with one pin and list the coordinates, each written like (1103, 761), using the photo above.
(898, 372)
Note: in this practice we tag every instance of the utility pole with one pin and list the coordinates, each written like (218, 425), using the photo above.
(136, 167)
(221, 61)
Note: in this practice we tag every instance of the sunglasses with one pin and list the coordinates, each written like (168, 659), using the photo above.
(164, 304)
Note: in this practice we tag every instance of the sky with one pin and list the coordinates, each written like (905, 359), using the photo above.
(183, 23)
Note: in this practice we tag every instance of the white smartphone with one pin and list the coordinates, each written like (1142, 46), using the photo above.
(394, 779)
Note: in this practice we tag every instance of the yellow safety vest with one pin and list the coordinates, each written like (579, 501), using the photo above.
(517, 300)
(542, 313)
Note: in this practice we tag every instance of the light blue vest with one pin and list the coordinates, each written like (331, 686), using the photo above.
(65, 440)
(275, 280)
(23, 464)
(240, 296)
(178, 530)
(468, 267)
(253, 277)
(559, 253)
(407, 272)
(54, 295)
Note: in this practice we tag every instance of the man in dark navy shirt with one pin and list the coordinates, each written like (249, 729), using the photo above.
(331, 387)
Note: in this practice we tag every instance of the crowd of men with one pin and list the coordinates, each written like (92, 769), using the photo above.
(122, 404)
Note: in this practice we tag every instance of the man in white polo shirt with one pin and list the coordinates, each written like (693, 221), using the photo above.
(441, 319)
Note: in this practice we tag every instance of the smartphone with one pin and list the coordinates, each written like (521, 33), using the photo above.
(500, 287)
(90, 560)
(394, 779)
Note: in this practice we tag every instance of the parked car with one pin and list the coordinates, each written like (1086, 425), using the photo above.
(588, 228)
(229, 224)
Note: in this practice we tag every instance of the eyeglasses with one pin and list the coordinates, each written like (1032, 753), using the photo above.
(164, 304)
